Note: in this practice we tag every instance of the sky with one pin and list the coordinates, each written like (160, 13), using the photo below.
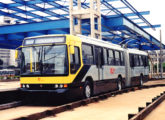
(156, 16)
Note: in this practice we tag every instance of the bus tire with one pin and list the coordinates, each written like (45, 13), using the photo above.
(119, 83)
(87, 90)
(141, 80)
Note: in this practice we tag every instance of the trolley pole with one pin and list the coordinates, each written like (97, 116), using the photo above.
(161, 61)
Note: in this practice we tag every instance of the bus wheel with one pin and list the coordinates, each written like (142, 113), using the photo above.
(119, 83)
(87, 90)
(141, 80)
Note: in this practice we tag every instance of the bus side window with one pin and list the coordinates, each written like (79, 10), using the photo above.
(105, 56)
(121, 59)
(146, 62)
(141, 61)
(117, 57)
(131, 58)
(136, 60)
(87, 54)
(102, 56)
(75, 60)
(111, 60)
(98, 56)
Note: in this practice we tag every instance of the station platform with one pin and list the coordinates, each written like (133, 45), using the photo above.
(155, 82)
(9, 86)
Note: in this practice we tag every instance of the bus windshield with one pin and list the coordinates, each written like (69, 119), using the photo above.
(44, 60)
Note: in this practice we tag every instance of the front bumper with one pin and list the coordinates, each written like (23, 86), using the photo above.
(62, 90)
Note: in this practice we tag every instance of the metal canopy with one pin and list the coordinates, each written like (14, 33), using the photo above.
(121, 22)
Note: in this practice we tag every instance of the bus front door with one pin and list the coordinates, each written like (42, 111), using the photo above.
(98, 60)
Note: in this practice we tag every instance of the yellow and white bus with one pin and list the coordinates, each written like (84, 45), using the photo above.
(79, 65)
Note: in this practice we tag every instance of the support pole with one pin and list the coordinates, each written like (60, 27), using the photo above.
(71, 17)
(161, 64)
(93, 14)
(79, 18)
(92, 19)
(99, 18)
(157, 58)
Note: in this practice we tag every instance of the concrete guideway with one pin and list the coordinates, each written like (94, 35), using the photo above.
(21, 111)
(114, 108)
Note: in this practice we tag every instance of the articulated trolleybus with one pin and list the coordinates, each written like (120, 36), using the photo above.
(79, 65)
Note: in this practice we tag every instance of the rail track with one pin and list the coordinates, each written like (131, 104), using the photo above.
(70, 106)
(10, 105)
(150, 106)
(10, 98)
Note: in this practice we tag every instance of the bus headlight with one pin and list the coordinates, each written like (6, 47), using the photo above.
(61, 86)
(56, 86)
(27, 86)
(23, 86)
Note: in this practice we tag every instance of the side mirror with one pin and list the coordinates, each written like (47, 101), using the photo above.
(1, 62)
(16, 54)
(71, 49)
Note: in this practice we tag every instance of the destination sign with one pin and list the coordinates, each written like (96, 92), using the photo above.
(50, 40)
(29, 42)
(45, 40)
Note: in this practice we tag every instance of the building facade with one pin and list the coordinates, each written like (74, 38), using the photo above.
(8, 58)
(7, 55)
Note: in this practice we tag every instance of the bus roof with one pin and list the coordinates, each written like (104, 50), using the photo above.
(98, 42)
(45, 36)
(136, 51)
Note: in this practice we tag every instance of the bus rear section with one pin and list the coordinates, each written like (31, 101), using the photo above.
(139, 66)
